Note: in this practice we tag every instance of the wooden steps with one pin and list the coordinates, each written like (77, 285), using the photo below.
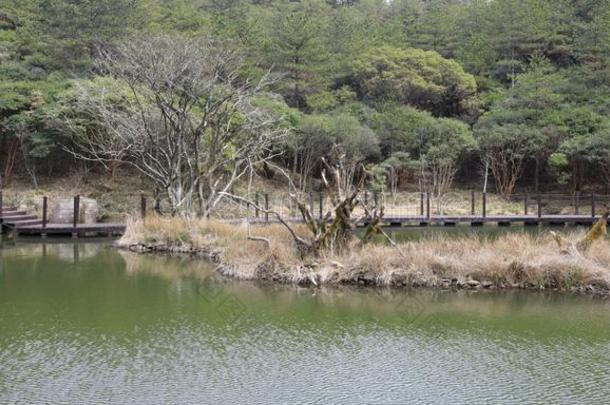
(13, 218)
(11, 212)
(17, 218)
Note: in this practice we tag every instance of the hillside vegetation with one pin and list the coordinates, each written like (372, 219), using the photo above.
(423, 93)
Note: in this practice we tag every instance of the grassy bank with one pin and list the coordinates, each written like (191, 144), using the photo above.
(510, 261)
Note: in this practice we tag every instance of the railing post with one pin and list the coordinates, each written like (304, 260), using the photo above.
(1, 202)
(321, 204)
(539, 201)
(143, 206)
(75, 216)
(472, 203)
(525, 205)
(266, 207)
(593, 205)
(577, 204)
(484, 208)
(421, 204)
(428, 205)
(44, 212)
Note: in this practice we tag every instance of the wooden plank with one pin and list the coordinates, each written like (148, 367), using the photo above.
(17, 218)
(27, 222)
(103, 225)
(12, 212)
(68, 229)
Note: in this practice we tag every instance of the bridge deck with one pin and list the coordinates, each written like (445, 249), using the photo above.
(497, 219)
(100, 229)
(474, 220)
(117, 229)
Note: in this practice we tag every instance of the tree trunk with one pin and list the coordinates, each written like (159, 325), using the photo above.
(486, 177)
(537, 176)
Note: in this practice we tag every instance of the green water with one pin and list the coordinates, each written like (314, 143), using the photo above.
(82, 324)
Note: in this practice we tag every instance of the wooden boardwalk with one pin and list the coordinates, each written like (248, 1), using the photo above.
(20, 222)
(499, 220)
(472, 220)
(81, 230)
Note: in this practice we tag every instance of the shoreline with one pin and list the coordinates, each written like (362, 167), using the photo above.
(509, 263)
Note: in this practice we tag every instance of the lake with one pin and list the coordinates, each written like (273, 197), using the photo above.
(83, 323)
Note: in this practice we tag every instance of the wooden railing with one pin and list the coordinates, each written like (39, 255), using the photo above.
(405, 205)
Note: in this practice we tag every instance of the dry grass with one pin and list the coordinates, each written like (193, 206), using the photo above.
(229, 241)
(509, 261)
(513, 260)
(455, 202)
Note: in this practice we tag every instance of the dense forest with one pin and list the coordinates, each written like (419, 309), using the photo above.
(427, 93)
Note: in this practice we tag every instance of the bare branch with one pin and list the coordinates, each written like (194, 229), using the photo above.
(277, 215)
(174, 109)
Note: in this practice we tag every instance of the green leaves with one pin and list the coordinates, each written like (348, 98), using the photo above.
(358, 142)
(530, 76)
(415, 77)
(405, 129)
(296, 47)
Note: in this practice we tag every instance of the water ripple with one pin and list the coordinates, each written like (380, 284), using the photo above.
(94, 335)
(188, 364)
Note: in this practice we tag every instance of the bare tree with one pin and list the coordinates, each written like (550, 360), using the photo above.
(506, 168)
(504, 150)
(334, 231)
(176, 110)
(442, 173)
(485, 173)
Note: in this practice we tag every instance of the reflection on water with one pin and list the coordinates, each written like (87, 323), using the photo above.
(71, 251)
(83, 323)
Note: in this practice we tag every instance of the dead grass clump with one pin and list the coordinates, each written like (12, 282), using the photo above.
(513, 260)
(240, 257)
(155, 230)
